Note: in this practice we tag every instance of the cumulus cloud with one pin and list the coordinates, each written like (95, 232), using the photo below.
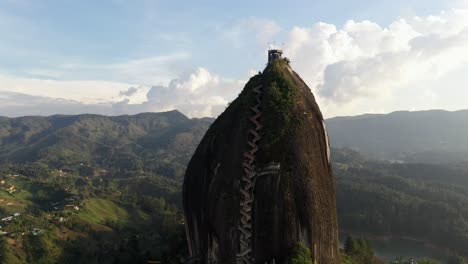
(365, 61)
(88, 92)
(411, 63)
(197, 93)
(129, 92)
(144, 71)
(18, 104)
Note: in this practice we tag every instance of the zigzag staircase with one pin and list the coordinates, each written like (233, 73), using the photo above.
(247, 184)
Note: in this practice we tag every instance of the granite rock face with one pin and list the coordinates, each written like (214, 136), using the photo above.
(294, 205)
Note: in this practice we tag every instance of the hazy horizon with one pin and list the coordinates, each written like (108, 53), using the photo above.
(214, 117)
(115, 57)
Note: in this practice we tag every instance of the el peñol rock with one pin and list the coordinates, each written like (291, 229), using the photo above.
(260, 183)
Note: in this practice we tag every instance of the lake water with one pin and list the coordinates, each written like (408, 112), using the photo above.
(395, 247)
(389, 249)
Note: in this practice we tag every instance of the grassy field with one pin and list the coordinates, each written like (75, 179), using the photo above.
(28, 193)
(104, 224)
(17, 201)
(99, 211)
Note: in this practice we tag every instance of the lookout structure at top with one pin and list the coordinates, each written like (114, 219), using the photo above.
(274, 54)
(261, 180)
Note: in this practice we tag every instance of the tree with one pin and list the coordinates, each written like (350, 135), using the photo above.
(427, 261)
(301, 255)
(350, 246)
(345, 259)
(456, 260)
(359, 250)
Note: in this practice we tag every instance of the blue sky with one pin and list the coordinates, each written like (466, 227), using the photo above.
(150, 43)
(46, 33)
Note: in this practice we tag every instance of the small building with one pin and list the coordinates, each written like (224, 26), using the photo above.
(101, 173)
(274, 55)
(11, 189)
(72, 206)
(36, 231)
(7, 219)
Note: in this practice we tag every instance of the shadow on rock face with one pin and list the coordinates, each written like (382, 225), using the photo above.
(293, 198)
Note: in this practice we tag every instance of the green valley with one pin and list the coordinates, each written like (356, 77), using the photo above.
(96, 189)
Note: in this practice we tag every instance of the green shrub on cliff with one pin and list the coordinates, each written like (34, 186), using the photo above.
(301, 255)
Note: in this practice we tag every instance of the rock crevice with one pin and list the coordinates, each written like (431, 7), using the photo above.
(252, 200)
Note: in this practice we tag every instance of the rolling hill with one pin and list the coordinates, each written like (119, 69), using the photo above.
(426, 136)
(160, 143)
(434, 136)
(144, 157)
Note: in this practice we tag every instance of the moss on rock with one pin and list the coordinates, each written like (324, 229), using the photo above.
(295, 206)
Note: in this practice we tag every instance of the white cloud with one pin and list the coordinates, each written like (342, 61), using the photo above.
(144, 71)
(463, 4)
(129, 92)
(365, 66)
(359, 67)
(14, 104)
(89, 84)
(80, 91)
(197, 93)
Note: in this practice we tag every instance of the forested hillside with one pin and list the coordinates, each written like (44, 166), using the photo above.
(434, 136)
(422, 201)
(94, 189)
(158, 143)
(124, 174)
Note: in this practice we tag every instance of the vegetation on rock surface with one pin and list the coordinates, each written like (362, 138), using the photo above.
(301, 255)
(279, 96)
(297, 202)
(358, 251)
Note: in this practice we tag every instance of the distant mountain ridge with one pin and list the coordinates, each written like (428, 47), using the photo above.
(161, 144)
(149, 141)
(422, 136)
(433, 136)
